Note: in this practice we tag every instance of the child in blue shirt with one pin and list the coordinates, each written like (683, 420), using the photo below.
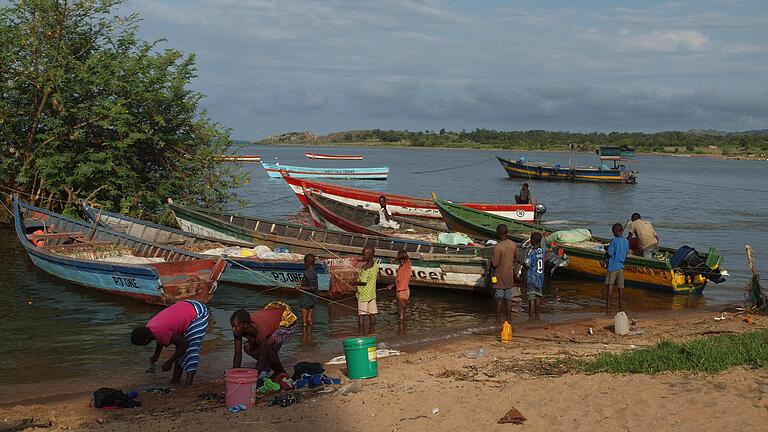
(535, 279)
(615, 255)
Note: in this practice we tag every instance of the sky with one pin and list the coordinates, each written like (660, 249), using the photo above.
(268, 67)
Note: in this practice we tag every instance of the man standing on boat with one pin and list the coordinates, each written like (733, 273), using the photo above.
(647, 239)
(385, 219)
(504, 257)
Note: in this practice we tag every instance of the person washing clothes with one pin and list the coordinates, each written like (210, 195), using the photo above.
(182, 324)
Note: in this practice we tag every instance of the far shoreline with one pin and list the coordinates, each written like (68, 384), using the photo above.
(685, 153)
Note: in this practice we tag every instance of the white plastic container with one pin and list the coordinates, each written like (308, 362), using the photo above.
(621, 324)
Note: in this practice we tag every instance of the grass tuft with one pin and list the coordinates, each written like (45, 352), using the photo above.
(708, 355)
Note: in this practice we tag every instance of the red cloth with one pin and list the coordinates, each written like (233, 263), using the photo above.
(175, 319)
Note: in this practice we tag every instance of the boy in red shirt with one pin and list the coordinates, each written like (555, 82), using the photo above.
(402, 279)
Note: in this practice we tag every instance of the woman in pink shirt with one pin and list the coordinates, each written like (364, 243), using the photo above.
(402, 279)
(182, 324)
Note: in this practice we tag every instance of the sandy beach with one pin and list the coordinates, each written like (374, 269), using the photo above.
(439, 388)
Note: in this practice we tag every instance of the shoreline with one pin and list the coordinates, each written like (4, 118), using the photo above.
(499, 149)
(465, 391)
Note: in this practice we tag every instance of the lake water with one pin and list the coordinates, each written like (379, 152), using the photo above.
(55, 332)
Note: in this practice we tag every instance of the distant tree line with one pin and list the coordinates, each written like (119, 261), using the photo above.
(690, 141)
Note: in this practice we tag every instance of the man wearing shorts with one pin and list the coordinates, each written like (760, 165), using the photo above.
(504, 257)
(182, 324)
(615, 255)
(366, 289)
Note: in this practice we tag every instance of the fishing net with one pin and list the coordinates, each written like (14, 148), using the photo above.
(756, 297)
(95, 252)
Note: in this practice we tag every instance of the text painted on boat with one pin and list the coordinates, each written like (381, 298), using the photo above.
(125, 282)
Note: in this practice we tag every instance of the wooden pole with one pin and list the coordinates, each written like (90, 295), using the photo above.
(751, 260)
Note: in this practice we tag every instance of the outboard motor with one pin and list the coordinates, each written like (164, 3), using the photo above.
(540, 209)
(689, 262)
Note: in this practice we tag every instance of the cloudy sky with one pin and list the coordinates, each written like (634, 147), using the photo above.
(292, 65)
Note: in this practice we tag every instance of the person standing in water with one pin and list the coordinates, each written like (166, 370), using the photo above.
(503, 262)
(647, 238)
(182, 324)
(308, 293)
(402, 279)
(385, 219)
(535, 275)
(616, 254)
(366, 289)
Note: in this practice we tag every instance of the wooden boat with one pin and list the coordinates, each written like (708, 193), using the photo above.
(434, 265)
(240, 158)
(400, 205)
(360, 220)
(618, 173)
(332, 157)
(332, 280)
(685, 271)
(97, 257)
(376, 173)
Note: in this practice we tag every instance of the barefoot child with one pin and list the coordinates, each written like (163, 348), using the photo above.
(535, 280)
(403, 277)
(616, 254)
(308, 285)
(366, 288)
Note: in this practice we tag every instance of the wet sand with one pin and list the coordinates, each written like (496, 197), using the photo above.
(473, 393)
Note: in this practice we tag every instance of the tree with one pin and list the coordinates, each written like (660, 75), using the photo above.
(88, 110)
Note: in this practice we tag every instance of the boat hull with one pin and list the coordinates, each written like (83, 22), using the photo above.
(375, 173)
(400, 205)
(332, 157)
(538, 171)
(183, 276)
(639, 272)
(242, 271)
(453, 271)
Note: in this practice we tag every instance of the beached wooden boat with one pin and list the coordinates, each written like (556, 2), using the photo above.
(400, 205)
(360, 220)
(434, 265)
(261, 272)
(240, 158)
(618, 173)
(375, 173)
(100, 258)
(684, 271)
(332, 157)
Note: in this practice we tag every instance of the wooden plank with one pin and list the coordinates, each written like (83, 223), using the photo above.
(78, 245)
(52, 236)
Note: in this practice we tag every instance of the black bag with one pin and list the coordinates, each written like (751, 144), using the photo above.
(308, 368)
(106, 396)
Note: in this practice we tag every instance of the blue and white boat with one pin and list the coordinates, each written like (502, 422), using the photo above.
(375, 173)
(277, 273)
(108, 261)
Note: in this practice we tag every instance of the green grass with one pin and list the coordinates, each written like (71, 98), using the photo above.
(708, 355)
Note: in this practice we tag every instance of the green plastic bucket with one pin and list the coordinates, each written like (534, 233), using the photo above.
(361, 357)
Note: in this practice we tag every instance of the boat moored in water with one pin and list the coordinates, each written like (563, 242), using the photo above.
(622, 169)
(332, 157)
(375, 173)
(109, 261)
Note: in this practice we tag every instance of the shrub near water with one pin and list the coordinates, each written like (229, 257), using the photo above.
(709, 355)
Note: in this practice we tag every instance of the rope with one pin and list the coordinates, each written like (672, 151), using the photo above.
(301, 290)
(453, 167)
(261, 203)
(705, 185)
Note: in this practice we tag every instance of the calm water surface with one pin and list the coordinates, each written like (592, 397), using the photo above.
(55, 332)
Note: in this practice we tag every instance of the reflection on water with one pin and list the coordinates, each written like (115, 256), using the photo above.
(53, 330)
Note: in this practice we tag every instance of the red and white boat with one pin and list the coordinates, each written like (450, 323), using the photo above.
(401, 205)
(332, 157)
(240, 158)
